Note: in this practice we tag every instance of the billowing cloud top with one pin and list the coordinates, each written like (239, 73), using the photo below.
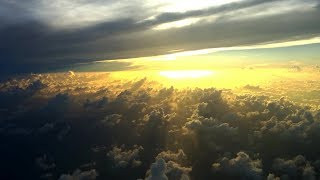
(37, 35)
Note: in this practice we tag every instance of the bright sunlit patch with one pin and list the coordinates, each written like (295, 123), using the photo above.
(177, 24)
(181, 74)
(314, 40)
(187, 5)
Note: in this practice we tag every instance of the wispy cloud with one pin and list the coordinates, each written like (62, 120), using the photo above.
(269, 45)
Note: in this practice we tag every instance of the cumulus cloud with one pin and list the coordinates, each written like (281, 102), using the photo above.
(186, 132)
(294, 128)
(157, 170)
(210, 124)
(298, 167)
(211, 132)
(176, 171)
(179, 157)
(123, 158)
(169, 165)
(241, 166)
(174, 162)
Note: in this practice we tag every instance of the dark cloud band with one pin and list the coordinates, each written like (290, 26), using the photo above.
(30, 44)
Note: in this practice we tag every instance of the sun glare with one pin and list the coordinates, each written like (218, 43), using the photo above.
(182, 74)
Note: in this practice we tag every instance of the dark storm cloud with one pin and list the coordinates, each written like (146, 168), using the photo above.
(31, 43)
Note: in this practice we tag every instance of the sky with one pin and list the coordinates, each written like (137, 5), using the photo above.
(41, 36)
(159, 89)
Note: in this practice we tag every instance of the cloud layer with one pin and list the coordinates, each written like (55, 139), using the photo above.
(39, 36)
(91, 126)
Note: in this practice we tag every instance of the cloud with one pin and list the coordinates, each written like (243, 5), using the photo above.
(58, 103)
(174, 162)
(157, 170)
(80, 175)
(176, 171)
(295, 68)
(251, 87)
(111, 120)
(96, 104)
(45, 163)
(87, 32)
(293, 130)
(189, 130)
(211, 133)
(104, 66)
(171, 156)
(290, 169)
(241, 166)
(170, 170)
(272, 177)
(123, 158)
(11, 95)
(228, 7)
